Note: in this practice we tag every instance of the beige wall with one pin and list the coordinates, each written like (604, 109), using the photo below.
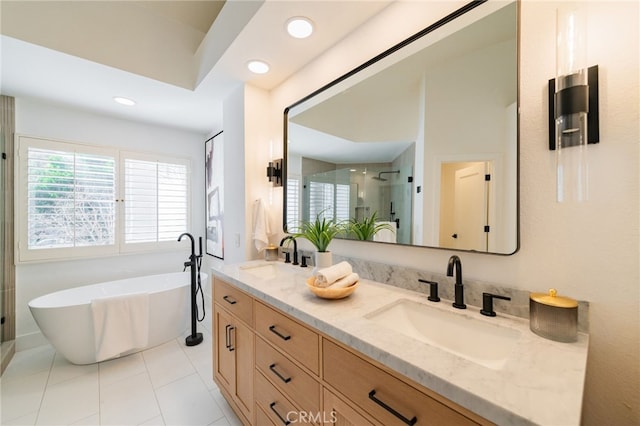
(590, 251)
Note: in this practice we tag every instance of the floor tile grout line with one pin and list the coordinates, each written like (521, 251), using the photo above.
(99, 393)
(197, 373)
(153, 388)
(46, 385)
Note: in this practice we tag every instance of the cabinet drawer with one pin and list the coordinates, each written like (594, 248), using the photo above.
(385, 397)
(296, 340)
(262, 419)
(277, 408)
(339, 413)
(299, 386)
(233, 300)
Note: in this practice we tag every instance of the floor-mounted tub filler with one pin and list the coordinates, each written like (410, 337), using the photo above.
(107, 320)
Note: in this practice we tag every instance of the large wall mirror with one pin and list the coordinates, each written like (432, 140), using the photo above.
(422, 140)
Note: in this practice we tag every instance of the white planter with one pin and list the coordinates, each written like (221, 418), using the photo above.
(324, 259)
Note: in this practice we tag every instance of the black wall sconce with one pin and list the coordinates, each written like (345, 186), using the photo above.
(574, 100)
(573, 105)
(274, 172)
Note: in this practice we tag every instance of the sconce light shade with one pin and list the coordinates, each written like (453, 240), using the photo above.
(274, 172)
(573, 107)
(593, 122)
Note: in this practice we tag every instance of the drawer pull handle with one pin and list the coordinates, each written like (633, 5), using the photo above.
(228, 329)
(410, 422)
(280, 335)
(229, 300)
(272, 367)
(282, 419)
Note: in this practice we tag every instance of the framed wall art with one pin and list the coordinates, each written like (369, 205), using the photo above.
(214, 184)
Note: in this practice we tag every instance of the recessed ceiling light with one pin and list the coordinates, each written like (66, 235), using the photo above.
(258, 67)
(124, 101)
(299, 27)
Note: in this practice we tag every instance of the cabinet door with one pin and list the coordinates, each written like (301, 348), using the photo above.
(223, 353)
(242, 341)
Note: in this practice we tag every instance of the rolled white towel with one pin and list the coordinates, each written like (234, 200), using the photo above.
(347, 281)
(327, 276)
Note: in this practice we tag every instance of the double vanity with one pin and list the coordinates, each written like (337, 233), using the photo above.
(384, 355)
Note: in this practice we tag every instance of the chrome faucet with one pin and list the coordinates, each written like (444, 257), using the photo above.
(458, 287)
(295, 248)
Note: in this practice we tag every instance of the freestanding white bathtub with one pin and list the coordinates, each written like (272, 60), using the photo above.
(65, 317)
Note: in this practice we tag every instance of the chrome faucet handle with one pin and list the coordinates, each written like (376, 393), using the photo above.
(487, 303)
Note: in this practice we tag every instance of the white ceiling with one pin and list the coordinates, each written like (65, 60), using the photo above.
(179, 59)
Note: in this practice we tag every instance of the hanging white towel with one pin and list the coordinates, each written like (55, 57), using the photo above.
(120, 324)
(327, 276)
(261, 228)
(388, 234)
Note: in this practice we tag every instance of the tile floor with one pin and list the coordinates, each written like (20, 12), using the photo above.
(170, 384)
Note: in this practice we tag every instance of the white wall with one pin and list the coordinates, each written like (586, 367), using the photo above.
(257, 186)
(485, 86)
(247, 152)
(589, 252)
(234, 180)
(36, 118)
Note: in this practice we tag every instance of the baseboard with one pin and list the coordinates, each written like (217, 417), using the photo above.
(30, 341)
(7, 350)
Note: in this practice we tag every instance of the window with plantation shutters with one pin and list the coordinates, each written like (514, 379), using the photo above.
(79, 200)
(293, 204)
(155, 200)
(328, 200)
(70, 199)
(320, 200)
(342, 201)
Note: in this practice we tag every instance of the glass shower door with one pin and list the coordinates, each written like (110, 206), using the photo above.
(2, 236)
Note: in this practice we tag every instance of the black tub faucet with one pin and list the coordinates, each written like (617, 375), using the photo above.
(295, 247)
(192, 259)
(195, 338)
(458, 287)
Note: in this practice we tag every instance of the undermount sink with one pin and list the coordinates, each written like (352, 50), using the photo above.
(262, 270)
(473, 339)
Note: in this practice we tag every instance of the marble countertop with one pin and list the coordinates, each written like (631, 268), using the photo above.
(541, 381)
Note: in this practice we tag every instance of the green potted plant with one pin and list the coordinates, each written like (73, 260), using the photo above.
(320, 232)
(366, 228)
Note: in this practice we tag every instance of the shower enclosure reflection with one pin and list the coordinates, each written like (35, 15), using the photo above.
(359, 192)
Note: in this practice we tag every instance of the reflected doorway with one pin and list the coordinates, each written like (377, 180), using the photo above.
(465, 205)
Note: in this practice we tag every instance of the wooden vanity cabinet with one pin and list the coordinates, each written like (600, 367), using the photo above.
(387, 398)
(273, 369)
(234, 347)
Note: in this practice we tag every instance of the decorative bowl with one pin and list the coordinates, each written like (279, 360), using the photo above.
(330, 292)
